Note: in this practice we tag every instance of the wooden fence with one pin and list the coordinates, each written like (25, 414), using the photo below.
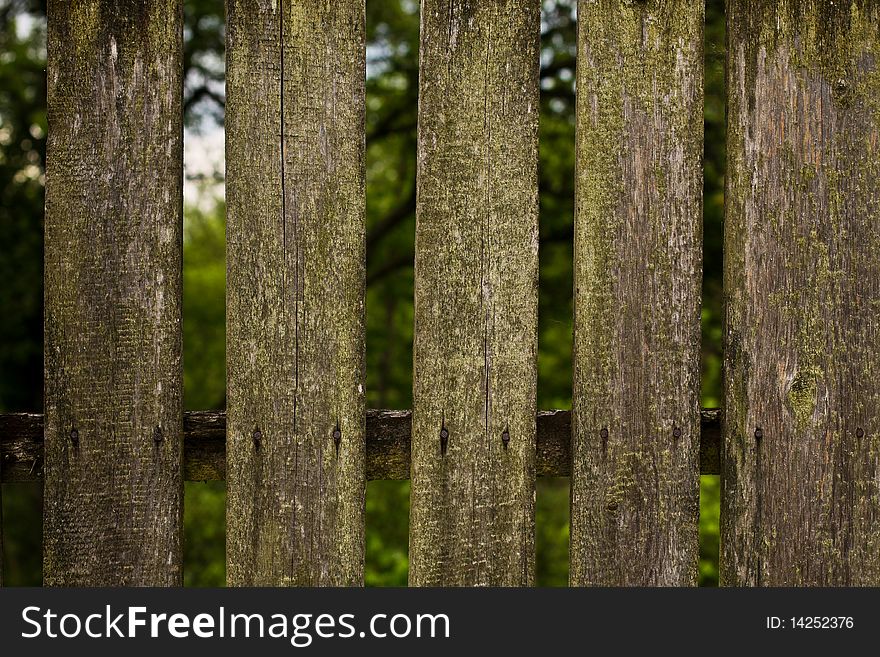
(800, 452)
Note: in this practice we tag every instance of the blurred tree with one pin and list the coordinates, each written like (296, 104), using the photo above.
(22, 158)
(714, 162)
(204, 306)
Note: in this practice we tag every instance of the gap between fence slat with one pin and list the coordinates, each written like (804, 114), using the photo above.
(1, 521)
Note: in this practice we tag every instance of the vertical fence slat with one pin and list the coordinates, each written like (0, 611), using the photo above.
(638, 263)
(295, 292)
(113, 383)
(801, 504)
(472, 509)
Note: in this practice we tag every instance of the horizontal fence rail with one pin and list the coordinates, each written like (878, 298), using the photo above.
(389, 434)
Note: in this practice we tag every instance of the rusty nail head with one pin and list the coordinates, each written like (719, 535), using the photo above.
(759, 433)
(604, 433)
(676, 432)
(860, 432)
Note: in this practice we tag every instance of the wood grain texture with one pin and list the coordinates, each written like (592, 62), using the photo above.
(638, 266)
(476, 269)
(388, 445)
(295, 292)
(801, 504)
(113, 382)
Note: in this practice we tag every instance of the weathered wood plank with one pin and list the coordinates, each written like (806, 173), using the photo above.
(638, 264)
(801, 504)
(295, 292)
(113, 383)
(388, 445)
(474, 389)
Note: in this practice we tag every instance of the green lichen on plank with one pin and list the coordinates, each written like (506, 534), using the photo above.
(637, 292)
(802, 394)
(83, 28)
(802, 334)
(295, 293)
(113, 491)
(474, 360)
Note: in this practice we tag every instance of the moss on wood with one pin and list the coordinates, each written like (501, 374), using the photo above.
(638, 265)
(802, 403)
(475, 377)
(295, 292)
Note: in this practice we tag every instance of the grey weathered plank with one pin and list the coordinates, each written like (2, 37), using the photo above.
(295, 292)
(113, 383)
(388, 445)
(474, 388)
(638, 264)
(801, 455)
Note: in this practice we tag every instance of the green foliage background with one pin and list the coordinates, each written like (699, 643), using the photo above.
(392, 85)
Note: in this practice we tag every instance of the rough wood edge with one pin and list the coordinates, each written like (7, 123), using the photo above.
(388, 444)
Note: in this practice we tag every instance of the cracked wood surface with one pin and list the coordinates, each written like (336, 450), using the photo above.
(295, 292)
(476, 274)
